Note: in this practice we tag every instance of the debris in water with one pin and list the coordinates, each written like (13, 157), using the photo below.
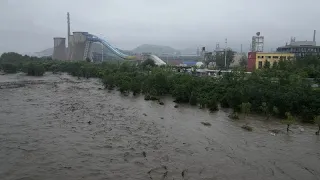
(301, 129)
(89, 122)
(234, 116)
(161, 103)
(247, 127)
(161, 118)
(165, 167)
(275, 131)
(153, 98)
(165, 175)
(183, 173)
(206, 123)
(144, 114)
(273, 134)
(144, 154)
(176, 106)
(147, 97)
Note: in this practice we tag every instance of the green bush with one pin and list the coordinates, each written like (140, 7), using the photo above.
(272, 90)
(35, 69)
(9, 68)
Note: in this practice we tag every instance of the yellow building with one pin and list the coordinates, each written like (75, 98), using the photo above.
(257, 60)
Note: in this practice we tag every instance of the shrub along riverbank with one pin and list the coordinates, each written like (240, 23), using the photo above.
(270, 91)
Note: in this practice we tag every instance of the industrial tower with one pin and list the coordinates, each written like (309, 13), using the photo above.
(257, 43)
(59, 48)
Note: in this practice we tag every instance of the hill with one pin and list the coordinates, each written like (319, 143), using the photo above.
(46, 52)
(155, 49)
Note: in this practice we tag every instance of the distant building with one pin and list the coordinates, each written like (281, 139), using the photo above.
(301, 48)
(256, 60)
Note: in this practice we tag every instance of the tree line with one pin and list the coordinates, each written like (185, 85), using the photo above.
(279, 91)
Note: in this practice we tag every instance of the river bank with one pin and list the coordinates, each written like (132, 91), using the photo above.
(45, 134)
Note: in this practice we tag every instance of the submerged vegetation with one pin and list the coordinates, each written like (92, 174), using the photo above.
(272, 91)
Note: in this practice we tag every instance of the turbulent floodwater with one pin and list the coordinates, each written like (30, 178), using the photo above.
(45, 135)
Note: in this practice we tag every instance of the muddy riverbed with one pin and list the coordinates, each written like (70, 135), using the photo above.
(59, 127)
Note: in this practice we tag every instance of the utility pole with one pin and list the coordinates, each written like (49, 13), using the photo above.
(241, 49)
(225, 54)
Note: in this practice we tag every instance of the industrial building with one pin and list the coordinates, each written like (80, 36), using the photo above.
(257, 60)
(59, 48)
(301, 48)
(85, 46)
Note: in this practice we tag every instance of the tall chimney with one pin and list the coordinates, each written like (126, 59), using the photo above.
(314, 36)
(68, 23)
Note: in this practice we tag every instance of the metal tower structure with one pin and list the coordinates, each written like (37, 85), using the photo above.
(257, 43)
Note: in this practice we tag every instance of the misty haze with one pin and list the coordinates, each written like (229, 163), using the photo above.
(178, 23)
(159, 89)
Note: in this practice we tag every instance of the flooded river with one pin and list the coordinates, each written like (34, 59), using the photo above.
(59, 127)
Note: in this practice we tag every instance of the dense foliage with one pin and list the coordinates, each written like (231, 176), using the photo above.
(13, 62)
(272, 91)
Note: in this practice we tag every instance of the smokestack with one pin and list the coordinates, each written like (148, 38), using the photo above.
(314, 36)
(68, 22)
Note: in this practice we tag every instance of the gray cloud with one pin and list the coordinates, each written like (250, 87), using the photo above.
(30, 25)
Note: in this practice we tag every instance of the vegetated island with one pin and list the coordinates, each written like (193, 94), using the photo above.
(286, 90)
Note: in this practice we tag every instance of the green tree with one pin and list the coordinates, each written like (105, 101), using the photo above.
(245, 108)
(266, 65)
(9, 68)
(265, 110)
(275, 65)
(275, 110)
(35, 69)
(212, 104)
(220, 58)
(243, 60)
(193, 99)
(289, 120)
(148, 63)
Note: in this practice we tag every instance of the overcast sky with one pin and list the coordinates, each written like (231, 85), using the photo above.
(30, 25)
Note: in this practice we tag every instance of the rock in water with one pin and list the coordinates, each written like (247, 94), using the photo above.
(206, 123)
(247, 127)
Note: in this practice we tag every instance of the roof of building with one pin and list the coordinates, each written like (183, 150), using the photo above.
(302, 46)
(303, 43)
(273, 53)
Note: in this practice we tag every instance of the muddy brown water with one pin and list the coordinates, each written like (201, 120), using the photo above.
(45, 134)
